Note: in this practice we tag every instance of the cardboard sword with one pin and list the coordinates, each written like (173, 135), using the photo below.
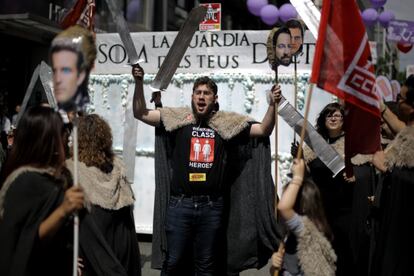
(328, 155)
(123, 31)
(44, 72)
(309, 13)
(130, 126)
(28, 93)
(178, 49)
(45, 75)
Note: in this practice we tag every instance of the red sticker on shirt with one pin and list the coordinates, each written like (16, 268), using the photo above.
(202, 150)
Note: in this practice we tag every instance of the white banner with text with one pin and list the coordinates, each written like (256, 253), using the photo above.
(208, 52)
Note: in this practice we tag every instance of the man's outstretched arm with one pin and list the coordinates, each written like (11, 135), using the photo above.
(266, 127)
(141, 112)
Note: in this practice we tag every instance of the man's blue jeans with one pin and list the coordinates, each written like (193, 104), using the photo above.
(193, 223)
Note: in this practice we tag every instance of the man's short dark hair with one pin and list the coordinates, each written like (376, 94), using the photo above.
(295, 24)
(207, 81)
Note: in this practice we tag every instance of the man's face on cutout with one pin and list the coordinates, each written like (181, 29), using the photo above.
(283, 49)
(66, 77)
(297, 40)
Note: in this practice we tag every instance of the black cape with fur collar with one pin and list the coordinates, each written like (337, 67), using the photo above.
(252, 231)
(395, 242)
(33, 194)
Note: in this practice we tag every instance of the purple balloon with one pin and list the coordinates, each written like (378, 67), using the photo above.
(254, 6)
(269, 14)
(370, 16)
(377, 3)
(385, 17)
(287, 11)
(133, 10)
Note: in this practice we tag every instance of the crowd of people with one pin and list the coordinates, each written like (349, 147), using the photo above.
(367, 215)
(214, 193)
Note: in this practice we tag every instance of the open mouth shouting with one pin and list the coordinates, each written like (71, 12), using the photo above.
(201, 106)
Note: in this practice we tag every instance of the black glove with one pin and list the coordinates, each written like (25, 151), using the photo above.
(294, 149)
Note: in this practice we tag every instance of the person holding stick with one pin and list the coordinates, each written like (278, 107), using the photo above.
(198, 200)
(72, 55)
(36, 199)
(279, 52)
(302, 210)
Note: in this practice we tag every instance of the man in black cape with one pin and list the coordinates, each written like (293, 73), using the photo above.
(394, 244)
(216, 163)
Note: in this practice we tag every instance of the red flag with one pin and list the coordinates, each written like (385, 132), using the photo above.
(343, 67)
(82, 13)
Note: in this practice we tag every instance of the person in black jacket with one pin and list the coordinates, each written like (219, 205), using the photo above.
(394, 244)
(36, 200)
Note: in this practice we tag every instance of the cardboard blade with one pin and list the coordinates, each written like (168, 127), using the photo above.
(130, 141)
(178, 48)
(123, 31)
(28, 94)
(45, 74)
(326, 153)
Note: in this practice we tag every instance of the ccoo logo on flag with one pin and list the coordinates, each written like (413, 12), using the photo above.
(359, 80)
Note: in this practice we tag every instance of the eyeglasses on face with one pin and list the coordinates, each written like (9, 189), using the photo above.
(334, 116)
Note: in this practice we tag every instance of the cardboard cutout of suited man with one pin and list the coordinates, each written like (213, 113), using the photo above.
(72, 54)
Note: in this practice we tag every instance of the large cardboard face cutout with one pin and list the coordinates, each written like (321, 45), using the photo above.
(278, 47)
(296, 30)
(66, 77)
(72, 55)
(283, 51)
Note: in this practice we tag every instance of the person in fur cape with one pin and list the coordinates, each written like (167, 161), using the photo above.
(108, 243)
(302, 210)
(364, 226)
(36, 200)
(215, 207)
(394, 244)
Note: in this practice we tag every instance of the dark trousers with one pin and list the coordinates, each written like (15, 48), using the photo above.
(193, 227)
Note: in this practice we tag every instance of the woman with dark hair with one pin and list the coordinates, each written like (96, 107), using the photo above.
(329, 123)
(108, 243)
(394, 244)
(301, 208)
(36, 201)
(336, 192)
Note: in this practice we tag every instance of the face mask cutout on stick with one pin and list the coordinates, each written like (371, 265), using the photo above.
(72, 54)
(279, 50)
(297, 33)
